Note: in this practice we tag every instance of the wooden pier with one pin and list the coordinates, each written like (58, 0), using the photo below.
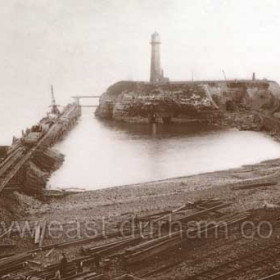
(16, 167)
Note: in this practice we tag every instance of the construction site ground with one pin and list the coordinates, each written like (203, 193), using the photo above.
(252, 188)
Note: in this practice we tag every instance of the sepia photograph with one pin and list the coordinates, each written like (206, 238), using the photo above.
(139, 139)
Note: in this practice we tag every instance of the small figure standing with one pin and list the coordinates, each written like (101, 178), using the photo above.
(80, 267)
(62, 268)
(97, 260)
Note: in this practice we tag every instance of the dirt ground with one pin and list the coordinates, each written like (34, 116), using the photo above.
(244, 188)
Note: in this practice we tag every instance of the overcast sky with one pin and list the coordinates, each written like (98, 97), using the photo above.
(83, 46)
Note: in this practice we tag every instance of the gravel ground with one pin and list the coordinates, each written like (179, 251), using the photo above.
(114, 205)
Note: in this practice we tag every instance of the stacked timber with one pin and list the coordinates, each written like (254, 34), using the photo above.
(48, 160)
(15, 145)
(173, 239)
(35, 179)
(13, 263)
(3, 152)
(75, 269)
(109, 248)
(153, 247)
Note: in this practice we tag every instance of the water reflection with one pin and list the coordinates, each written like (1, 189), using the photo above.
(101, 154)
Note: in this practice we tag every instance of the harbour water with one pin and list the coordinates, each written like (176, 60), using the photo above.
(101, 154)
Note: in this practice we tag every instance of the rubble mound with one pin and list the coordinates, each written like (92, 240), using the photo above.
(185, 101)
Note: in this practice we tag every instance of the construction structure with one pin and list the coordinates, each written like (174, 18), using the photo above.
(27, 164)
(54, 106)
(77, 99)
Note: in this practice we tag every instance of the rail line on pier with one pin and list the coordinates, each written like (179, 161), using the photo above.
(11, 166)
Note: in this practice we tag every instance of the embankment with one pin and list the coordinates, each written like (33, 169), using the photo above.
(204, 101)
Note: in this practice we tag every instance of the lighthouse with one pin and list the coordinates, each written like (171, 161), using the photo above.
(156, 71)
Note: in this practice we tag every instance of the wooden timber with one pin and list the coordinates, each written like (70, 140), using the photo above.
(275, 276)
(15, 161)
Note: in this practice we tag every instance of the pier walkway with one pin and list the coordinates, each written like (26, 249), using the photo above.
(12, 174)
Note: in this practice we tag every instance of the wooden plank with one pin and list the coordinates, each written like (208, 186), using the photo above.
(153, 242)
(37, 234)
(109, 245)
(49, 253)
(275, 276)
(202, 212)
(127, 276)
(12, 161)
(42, 236)
(2, 163)
(255, 185)
(154, 250)
(7, 246)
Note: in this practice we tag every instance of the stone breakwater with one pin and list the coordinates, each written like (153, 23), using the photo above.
(205, 101)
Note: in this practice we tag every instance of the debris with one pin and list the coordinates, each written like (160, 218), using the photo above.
(49, 253)
(7, 246)
(270, 205)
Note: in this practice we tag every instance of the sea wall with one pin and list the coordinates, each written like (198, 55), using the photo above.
(185, 101)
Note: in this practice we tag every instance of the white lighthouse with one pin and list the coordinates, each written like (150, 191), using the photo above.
(156, 71)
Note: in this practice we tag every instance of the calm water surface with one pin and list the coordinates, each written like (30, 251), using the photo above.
(102, 154)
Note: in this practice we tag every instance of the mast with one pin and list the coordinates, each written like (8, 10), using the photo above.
(54, 109)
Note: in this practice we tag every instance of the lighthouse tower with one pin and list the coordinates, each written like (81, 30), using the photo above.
(156, 71)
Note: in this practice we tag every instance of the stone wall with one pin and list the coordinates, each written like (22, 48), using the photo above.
(184, 101)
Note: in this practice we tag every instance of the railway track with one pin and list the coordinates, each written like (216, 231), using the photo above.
(256, 258)
(10, 166)
(237, 240)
